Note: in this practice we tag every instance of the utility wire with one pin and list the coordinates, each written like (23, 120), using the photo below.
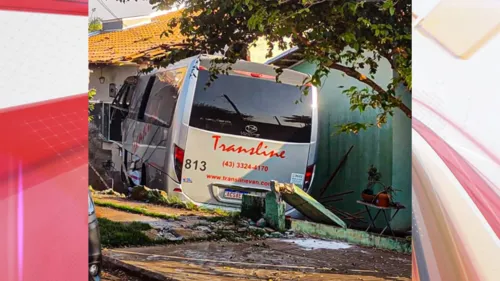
(116, 17)
(107, 8)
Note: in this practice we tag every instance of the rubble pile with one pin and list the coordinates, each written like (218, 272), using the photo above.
(108, 191)
(193, 229)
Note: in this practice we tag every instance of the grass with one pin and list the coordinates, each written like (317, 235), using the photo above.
(191, 206)
(115, 234)
(154, 197)
(135, 210)
(218, 211)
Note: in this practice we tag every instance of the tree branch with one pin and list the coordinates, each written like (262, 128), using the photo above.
(362, 78)
(358, 76)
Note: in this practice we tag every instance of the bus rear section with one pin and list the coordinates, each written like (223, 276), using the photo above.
(244, 131)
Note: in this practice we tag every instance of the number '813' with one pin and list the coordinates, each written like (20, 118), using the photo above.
(196, 165)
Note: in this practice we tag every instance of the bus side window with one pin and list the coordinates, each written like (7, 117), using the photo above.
(128, 97)
(138, 95)
(145, 98)
(163, 98)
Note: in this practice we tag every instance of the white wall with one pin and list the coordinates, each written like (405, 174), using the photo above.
(120, 10)
(113, 74)
(258, 53)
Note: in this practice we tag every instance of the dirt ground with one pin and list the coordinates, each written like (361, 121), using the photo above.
(120, 216)
(116, 275)
(271, 259)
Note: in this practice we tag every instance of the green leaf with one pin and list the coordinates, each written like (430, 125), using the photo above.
(387, 4)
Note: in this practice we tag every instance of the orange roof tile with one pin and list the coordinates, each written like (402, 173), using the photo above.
(135, 42)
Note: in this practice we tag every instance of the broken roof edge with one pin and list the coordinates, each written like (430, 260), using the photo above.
(151, 54)
(114, 63)
(93, 33)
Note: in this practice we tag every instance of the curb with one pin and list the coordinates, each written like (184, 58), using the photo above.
(353, 236)
(142, 274)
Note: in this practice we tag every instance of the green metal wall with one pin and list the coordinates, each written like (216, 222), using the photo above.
(401, 161)
(380, 147)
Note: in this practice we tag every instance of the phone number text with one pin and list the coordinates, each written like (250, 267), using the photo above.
(244, 166)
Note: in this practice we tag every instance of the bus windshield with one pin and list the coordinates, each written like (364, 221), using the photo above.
(252, 107)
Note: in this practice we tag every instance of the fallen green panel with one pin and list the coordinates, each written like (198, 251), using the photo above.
(304, 203)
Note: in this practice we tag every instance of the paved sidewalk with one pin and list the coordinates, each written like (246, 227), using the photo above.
(267, 260)
(113, 275)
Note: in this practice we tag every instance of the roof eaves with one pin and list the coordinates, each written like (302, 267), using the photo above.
(93, 33)
(129, 18)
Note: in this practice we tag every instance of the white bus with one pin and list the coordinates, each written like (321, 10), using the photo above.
(210, 144)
